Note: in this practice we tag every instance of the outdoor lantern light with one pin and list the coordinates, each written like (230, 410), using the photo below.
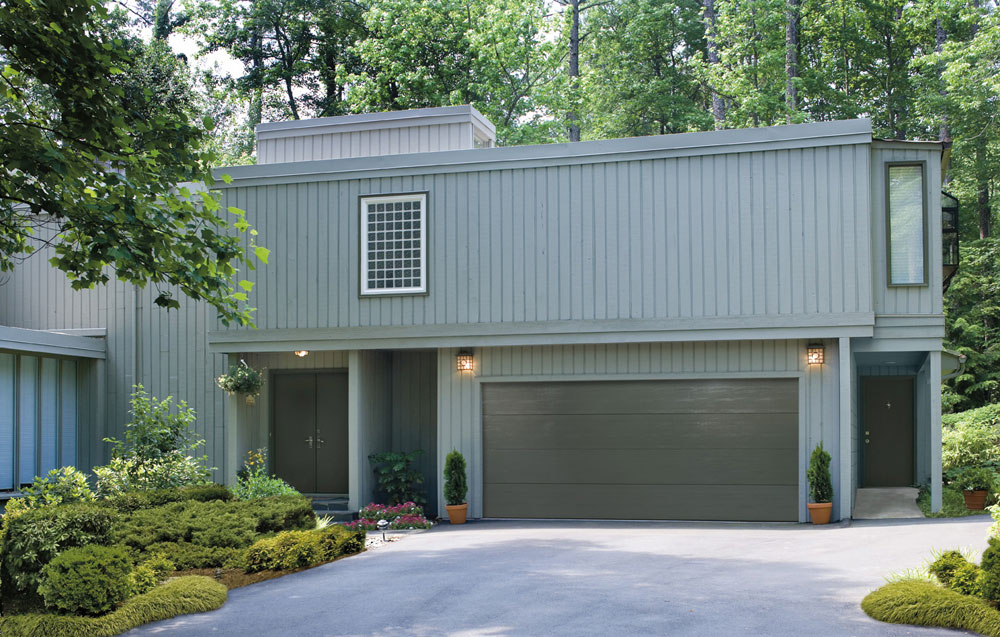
(814, 353)
(382, 526)
(302, 353)
(464, 361)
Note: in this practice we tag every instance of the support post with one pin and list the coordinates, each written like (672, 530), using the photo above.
(844, 495)
(935, 424)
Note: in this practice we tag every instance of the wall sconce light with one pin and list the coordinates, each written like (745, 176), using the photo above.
(814, 353)
(302, 353)
(464, 361)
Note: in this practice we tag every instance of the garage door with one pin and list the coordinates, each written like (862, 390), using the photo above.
(670, 450)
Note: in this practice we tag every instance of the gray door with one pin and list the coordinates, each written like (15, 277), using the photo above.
(672, 449)
(888, 428)
(309, 416)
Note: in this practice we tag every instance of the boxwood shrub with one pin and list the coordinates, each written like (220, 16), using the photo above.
(191, 594)
(32, 539)
(88, 580)
(299, 549)
(137, 500)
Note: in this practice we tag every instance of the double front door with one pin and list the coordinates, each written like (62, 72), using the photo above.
(309, 420)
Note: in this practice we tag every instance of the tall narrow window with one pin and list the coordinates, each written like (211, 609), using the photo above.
(394, 244)
(907, 225)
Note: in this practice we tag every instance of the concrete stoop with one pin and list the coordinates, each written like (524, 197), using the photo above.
(335, 507)
(886, 503)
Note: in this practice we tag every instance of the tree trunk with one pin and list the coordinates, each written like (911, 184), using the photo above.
(574, 68)
(718, 105)
(791, 56)
(982, 190)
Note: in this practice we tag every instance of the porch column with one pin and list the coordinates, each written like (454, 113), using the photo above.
(353, 431)
(844, 383)
(935, 423)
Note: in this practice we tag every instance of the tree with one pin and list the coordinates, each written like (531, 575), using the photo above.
(97, 157)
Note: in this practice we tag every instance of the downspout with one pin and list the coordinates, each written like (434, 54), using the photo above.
(962, 359)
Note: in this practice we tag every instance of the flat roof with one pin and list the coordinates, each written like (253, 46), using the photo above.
(74, 343)
(376, 121)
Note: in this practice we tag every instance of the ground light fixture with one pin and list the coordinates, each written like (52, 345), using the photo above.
(463, 361)
(814, 353)
(302, 353)
(382, 526)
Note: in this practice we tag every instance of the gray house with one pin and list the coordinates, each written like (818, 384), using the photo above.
(650, 328)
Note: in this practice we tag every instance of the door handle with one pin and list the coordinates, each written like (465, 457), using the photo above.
(319, 442)
(309, 441)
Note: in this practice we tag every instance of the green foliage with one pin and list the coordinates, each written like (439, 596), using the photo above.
(944, 567)
(94, 137)
(976, 479)
(970, 438)
(397, 478)
(135, 500)
(990, 581)
(455, 482)
(972, 308)
(59, 486)
(241, 379)
(31, 540)
(150, 573)
(926, 604)
(818, 474)
(952, 503)
(968, 579)
(191, 594)
(88, 580)
(156, 452)
(300, 549)
(253, 480)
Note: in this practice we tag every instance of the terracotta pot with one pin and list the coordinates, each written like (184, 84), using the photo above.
(456, 512)
(975, 500)
(819, 512)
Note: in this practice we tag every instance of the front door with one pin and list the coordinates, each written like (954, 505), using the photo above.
(309, 420)
(888, 431)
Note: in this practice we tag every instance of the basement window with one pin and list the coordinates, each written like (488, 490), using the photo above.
(907, 225)
(394, 244)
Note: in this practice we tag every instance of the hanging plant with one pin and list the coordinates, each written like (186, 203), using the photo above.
(242, 379)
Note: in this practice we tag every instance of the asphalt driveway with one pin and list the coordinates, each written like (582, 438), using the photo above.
(595, 578)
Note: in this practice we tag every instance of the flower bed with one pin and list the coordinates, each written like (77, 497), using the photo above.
(400, 517)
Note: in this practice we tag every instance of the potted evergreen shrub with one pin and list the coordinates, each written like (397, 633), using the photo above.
(455, 487)
(820, 486)
(975, 483)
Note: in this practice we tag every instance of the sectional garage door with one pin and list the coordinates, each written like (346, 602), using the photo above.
(665, 449)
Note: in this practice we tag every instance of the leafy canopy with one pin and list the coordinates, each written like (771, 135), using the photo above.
(106, 159)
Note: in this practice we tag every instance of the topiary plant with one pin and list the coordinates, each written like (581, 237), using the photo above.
(455, 482)
(820, 482)
(90, 579)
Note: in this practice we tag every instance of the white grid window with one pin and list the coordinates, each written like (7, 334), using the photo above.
(394, 244)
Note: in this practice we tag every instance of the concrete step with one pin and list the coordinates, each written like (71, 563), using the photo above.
(338, 516)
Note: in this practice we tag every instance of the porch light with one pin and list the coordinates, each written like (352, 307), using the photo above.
(814, 353)
(302, 353)
(464, 361)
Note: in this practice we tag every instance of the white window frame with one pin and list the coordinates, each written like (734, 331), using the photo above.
(367, 200)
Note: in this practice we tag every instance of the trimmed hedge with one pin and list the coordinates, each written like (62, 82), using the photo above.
(32, 539)
(136, 500)
(191, 594)
(299, 549)
(922, 603)
(88, 580)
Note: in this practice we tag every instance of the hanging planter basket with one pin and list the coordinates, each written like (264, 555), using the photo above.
(242, 379)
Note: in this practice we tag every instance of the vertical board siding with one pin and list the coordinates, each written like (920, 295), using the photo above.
(48, 414)
(8, 423)
(27, 418)
(371, 143)
(772, 233)
(459, 393)
(68, 412)
(374, 415)
(414, 414)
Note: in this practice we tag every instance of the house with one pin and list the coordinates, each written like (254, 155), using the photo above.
(661, 327)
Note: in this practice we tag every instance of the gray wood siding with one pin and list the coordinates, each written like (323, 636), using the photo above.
(414, 414)
(914, 299)
(374, 415)
(460, 396)
(365, 143)
(771, 233)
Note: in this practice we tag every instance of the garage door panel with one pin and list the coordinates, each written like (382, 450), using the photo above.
(642, 502)
(676, 396)
(641, 466)
(650, 431)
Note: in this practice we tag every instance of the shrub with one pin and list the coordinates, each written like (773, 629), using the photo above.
(157, 450)
(254, 482)
(88, 580)
(990, 583)
(185, 555)
(945, 566)
(136, 500)
(397, 478)
(926, 604)
(299, 549)
(30, 541)
(192, 594)
(820, 483)
(455, 482)
(968, 580)
(60, 486)
(975, 479)
(151, 572)
(970, 438)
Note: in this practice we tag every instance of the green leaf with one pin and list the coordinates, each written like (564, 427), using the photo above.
(261, 253)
